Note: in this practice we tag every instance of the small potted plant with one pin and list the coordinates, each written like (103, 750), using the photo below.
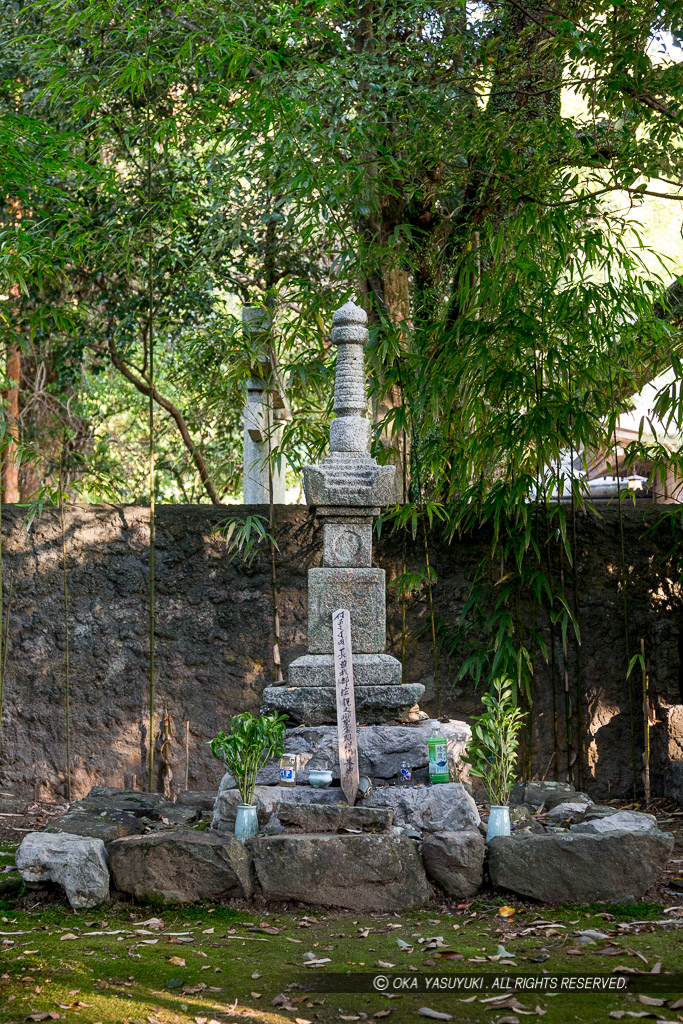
(245, 749)
(491, 753)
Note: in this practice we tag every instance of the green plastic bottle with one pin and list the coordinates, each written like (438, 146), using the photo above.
(438, 755)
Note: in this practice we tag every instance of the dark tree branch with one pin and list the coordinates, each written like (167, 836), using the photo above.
(143, 387)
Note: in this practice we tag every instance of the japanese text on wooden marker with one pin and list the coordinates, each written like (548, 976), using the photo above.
(346, 704)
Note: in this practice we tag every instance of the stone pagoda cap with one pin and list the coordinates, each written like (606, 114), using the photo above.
(349, 476)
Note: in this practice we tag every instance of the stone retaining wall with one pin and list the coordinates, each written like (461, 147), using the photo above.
(214, 642)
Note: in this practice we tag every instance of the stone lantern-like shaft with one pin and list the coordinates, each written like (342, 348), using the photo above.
(348, 491)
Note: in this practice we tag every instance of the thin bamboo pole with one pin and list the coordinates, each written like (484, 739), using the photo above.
(151, 467)
(187, 754)
(65, 583)
(277, 661)
(624, 595)
(646, 725)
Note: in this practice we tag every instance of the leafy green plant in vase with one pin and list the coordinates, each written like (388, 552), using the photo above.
(245, 749)
(491, 753)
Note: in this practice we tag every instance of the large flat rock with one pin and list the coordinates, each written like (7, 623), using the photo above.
(363, 873)
(381, 750)
(104, 825)
(202, 800)
(573, 868)
(77, 863)
(455, 860)
(447, 807)
(181, 866)
(109, 798)
(629, 821)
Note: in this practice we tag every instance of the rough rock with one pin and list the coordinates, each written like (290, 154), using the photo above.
(179, 814)
(447, 807)
(599, 811)
(104, 825)
(548, 793)
(520, 812)
(455, 860)
(202, 799)
(566, 867)
(316, 705)
(381, 750)
(325, 818)
(570, 811)
(108, 798)
(368, 873)
(181, 866)
(267, 800)
(629, 821)
(77, 863)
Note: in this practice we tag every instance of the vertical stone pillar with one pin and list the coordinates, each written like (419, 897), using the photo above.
(260, 433)
(263, 408)
(347, 490)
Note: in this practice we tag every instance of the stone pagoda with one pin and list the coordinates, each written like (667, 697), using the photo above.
(347, 491)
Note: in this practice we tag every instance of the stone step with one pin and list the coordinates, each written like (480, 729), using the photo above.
(317, 705)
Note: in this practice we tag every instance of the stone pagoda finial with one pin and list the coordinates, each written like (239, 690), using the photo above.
(350, 432)
(349, 477)
(348, 491)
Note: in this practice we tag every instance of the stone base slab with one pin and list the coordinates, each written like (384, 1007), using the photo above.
(368, 670)
(363, 873)
(317, 705)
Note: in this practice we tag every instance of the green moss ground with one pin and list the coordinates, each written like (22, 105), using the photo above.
(130, 977)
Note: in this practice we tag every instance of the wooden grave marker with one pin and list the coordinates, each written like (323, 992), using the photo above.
(346, 704)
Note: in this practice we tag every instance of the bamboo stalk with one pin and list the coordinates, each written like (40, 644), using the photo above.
(277, 661)
(567, 698)
(646, 726)
(166, 756)
(575, 586)
(187, 754)
(404, 563)
(152, 481)
(2, 657)
(67, 693)
(430, 596)
(624, 598)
